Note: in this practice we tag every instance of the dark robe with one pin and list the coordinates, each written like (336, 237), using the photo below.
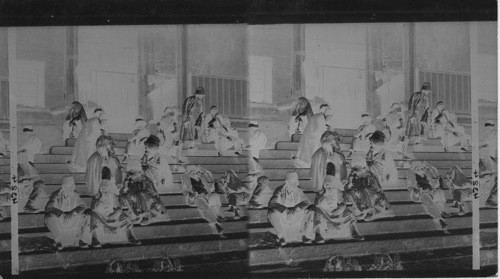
(191, 118)
(318, 167)
(93, 175)
(418, 109)
(366, 194)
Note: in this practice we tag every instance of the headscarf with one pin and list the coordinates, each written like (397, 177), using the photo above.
(77, 112)
(303, 107)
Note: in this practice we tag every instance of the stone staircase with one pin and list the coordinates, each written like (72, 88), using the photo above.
(186, 235)
(411, 231)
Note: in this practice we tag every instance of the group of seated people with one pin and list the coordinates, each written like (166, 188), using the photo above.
(127, 196)
(347, 192)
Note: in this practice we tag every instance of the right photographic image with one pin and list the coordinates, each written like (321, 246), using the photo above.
(361, 139)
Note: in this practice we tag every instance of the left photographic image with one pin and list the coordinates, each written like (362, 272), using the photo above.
(130, 148)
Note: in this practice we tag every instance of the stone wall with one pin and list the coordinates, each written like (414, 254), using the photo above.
(4, 55)
(443, 46)
(46, 44)
(217, 50)
(276, 42)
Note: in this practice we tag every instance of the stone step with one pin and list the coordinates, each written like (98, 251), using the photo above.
(118, 143)
(489, 257)
(344, 138)
(393, 195)
(35, 221)
(171, 201)
(70, 259)
(290, 145)
(400, 184)
(175, 188)
(66, 150)
(297, 254)
(240, 169)
(4, 161)
(400, 225)
(55, 178)
(63, 168)
(420, 155)
(347, 138)
(275, 174)
(411, 260)
(123, 144)
(259, 216)
(287, 163)
(120, 136)
(198, 160)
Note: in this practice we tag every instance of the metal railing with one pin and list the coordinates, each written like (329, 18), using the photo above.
(229, 94)
(452, 88)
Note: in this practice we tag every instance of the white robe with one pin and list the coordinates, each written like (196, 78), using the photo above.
(85, 143)
(169, 137)
(225, 139)
(158, 170)
(490, 151)
(136, 148)
(67, 229)
(294, 126)
(311, 140)
(449, 139)
(361, 141)
(257, 141)
(33, 146)
(4, 144)
(290, 225)
(67, 129)
(397, 132)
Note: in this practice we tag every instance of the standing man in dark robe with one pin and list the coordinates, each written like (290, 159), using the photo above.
(328, 152)
(192, 115)
(418, 108)
(103, 157)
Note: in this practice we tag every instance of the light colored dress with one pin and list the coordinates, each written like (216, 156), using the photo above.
(330, 207)
(381, 163)
(361, 141)
(257, 141)
(158, 170)
(198, 193)
(311, 140)
(109, 223)
(85, 144)
(135, 147)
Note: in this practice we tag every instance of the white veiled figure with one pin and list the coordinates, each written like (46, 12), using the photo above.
(288, 212)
